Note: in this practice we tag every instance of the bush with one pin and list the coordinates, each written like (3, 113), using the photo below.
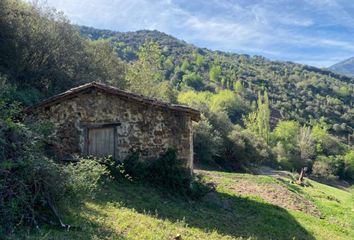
(84, 177)
(207, 141)
(27, 179)
(328, 167)
(322, 169)
(31, 184)
(134, 168)
(349, 165)
(167, 172)
(170, 172)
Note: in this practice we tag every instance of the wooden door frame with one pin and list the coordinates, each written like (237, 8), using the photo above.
(87, 126)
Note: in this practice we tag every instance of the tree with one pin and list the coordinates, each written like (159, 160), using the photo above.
(185, 66)
(263, 116)
(193, 80)
(146, 73)
(166, 92)
(306, 145)
(215, 73)
(259, 121)
(286, 131)
(238, 87)
(207, 141)
(199, 61)
(43, 54)
(285, 136)
(349, 164)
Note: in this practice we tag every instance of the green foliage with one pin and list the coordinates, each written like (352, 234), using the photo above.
(324, 142)
(199, 61)
(330, 167)
(166, 172)
(146, 73)
(296, 92)
(286, 131)
(238, 87)
(166, 92)
(170, 173)
(243, 148)
(349, 165)
(31, 184)
(216, 139)
(83, 178)
(259, 122)
(305, 143)
(185, 66)
(134, 168)
(43, 54)
(193, 80)
(293, 145)
(207, 141)
(231, 103)
(198, 100)
(135, 211)
(224, 101)
(215, 73)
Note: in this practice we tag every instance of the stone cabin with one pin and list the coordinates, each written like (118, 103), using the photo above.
(98, 120)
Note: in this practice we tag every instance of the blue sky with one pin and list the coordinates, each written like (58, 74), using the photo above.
(314, 32)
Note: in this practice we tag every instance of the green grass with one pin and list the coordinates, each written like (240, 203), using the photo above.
(135, 211)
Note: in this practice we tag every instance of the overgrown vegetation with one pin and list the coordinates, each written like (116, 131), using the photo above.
(32, 185)
(42, 54)
(167, 172)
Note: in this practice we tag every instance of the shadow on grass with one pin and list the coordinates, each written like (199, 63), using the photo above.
(227, 214)
(83, 228)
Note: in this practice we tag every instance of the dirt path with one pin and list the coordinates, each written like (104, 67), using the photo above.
(271, 192)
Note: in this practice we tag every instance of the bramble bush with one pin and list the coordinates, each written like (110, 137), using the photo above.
(32, 185)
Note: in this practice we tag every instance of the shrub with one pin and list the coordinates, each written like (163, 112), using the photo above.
(349, 165)
(135, 168)
(28, 179)
(193, 80)
(322, 169)
(84, 177)
(328, 167)
(166, 172)
(170, 172)
(31, 184)
(207, 141)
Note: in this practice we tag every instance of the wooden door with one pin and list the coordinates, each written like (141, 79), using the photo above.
(101, 142)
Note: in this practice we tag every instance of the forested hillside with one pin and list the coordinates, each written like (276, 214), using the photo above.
(297, 92)
(254, 111)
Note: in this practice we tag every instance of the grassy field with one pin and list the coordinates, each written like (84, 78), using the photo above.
(244, 206)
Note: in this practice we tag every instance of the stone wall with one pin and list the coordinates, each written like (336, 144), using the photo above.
(138, 126)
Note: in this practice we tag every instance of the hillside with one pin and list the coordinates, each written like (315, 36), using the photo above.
(296, 91)
(243, 206)
(345, 67)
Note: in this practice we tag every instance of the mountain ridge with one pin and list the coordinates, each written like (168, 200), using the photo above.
(345, 67)
(95, 34)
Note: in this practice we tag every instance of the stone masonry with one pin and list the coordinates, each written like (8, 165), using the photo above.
(139, 123)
